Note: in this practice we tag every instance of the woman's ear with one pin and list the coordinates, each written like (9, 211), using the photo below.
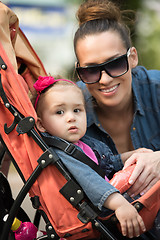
(75, 65)
(39, 125)
(133, 57)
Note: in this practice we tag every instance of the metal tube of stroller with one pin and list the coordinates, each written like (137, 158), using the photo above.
(17, 203)
(101, 227)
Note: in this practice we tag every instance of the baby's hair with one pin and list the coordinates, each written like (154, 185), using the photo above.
(42, 94)
(97, 16)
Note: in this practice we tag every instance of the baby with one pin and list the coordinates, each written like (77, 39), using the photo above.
(61, 112)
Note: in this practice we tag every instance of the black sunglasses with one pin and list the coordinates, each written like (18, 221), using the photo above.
(114, 68)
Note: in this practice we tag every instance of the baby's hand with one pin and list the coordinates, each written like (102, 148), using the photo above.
(131, 222)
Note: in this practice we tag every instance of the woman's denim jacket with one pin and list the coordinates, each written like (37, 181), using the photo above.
(95, 187)
(145, 129)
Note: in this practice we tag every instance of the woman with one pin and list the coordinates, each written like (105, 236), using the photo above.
(123, 100)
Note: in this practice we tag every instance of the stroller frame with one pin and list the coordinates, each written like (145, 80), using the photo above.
(71, 190)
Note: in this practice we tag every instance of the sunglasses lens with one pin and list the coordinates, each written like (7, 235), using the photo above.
(117, 67)
(114, 68)
(89, 75)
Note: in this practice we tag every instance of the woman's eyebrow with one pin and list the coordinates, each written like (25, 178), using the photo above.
(106, 60)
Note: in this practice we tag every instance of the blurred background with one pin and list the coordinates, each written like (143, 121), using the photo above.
(50, 26)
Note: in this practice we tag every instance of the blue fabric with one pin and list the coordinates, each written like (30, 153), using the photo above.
(94, 186)
(103, 154)
(145, 129)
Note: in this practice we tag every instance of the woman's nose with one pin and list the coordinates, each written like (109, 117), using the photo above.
(105, 78)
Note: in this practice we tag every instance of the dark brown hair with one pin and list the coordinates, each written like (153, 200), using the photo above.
(96, 16)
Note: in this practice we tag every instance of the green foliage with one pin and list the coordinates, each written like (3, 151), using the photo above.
(145, 31)
(129, 4)
(77, 2)
(147, 43)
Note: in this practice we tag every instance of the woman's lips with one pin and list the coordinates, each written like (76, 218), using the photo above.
(109, 90)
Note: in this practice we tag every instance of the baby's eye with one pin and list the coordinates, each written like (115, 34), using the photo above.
(77, 110)
(60, 112)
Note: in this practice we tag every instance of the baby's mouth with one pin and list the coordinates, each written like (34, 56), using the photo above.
(73, 129)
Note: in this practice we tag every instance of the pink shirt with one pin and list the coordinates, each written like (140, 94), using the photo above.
(89, 152)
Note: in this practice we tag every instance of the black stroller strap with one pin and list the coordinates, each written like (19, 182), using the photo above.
(72, 150)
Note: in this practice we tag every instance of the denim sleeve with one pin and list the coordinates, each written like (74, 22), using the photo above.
(94, 186)
(117, 162)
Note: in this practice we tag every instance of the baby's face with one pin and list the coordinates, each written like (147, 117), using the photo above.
(63, 113)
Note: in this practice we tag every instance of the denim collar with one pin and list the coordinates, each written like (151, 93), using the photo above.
(138, 106)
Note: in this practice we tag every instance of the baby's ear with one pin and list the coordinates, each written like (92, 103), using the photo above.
(39, 125)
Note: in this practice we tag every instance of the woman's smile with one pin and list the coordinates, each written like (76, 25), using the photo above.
(110, 90)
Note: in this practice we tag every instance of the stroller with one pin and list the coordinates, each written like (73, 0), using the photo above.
(55, 194)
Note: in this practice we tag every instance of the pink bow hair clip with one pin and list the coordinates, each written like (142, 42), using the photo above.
(44, 82)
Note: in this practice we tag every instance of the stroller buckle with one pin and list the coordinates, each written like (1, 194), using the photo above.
(70, 149)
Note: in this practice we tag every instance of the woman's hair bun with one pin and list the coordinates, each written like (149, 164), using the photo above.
(98, 9)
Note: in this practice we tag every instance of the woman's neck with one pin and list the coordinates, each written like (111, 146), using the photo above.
(114, 112)
(117, 122)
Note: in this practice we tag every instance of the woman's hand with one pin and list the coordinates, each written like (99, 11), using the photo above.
(126, 155)
(146, 172)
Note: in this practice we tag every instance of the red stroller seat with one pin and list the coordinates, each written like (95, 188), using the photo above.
(20, 67)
